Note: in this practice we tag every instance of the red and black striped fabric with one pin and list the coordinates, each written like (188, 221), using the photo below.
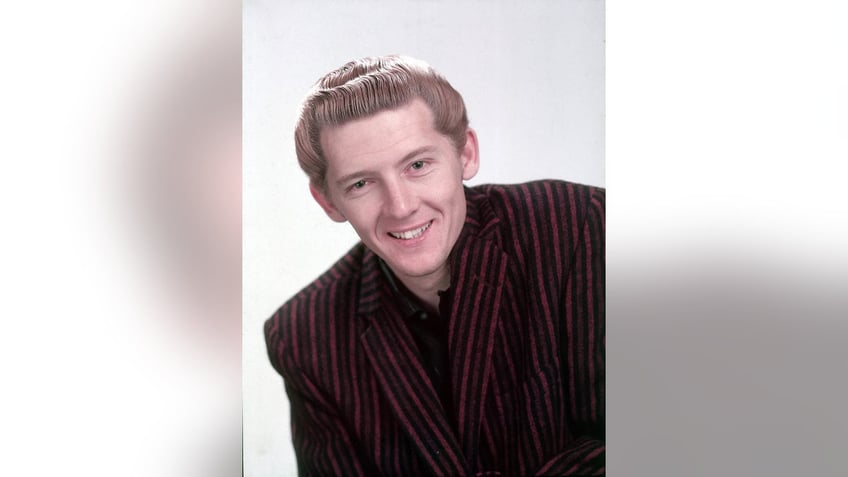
(525, 342)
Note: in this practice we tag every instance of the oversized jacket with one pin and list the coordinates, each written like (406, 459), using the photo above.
(525, 342)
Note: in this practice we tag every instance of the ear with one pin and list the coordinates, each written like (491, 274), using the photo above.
(326, 204)
(470, 155)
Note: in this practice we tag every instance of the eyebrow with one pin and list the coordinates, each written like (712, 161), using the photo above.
(415, 152)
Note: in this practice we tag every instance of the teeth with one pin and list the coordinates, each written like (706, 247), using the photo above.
(410, 234)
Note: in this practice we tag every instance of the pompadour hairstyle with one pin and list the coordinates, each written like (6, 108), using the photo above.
(364, 87)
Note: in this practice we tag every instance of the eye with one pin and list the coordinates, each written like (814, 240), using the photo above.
(358, 185)
(418, 165)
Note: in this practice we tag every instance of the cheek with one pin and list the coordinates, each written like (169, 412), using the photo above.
(452, 194)
(361, 216)
(458, 207)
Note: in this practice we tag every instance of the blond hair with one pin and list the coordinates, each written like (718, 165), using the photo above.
(364, 87)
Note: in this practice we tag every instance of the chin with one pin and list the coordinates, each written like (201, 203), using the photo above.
(417, 270)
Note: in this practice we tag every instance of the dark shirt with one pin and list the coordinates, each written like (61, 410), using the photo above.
(429, 329)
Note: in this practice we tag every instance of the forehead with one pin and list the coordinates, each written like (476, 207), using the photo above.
(386, 135)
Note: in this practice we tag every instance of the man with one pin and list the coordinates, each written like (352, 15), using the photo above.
(464, 335)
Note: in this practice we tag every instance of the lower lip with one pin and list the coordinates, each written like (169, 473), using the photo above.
(413, 241)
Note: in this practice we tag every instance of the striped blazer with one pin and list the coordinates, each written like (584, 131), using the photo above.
(525, 343)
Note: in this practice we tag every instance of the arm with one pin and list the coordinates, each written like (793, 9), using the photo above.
(584, 456)
(582, 351)
(322, 443)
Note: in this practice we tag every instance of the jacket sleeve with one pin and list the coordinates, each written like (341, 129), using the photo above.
(584, 456)
(583, 358)
(322, 442)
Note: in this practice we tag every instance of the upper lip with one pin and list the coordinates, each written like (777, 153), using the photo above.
(410, 229)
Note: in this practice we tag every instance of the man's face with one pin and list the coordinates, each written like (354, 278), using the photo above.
(399, 183)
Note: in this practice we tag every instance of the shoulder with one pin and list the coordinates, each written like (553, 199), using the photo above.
(539, 224)
(300, 323)
(542, 200)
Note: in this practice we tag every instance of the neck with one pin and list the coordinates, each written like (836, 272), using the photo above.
(427, 288)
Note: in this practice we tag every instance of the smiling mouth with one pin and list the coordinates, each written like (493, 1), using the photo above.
(411, 234)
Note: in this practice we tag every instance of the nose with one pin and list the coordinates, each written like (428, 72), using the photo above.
(400, 200)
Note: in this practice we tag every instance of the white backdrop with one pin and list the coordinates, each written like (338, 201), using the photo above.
(531, 74)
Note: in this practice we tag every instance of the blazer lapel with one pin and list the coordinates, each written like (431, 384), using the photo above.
(413, 400)
(478, 280)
